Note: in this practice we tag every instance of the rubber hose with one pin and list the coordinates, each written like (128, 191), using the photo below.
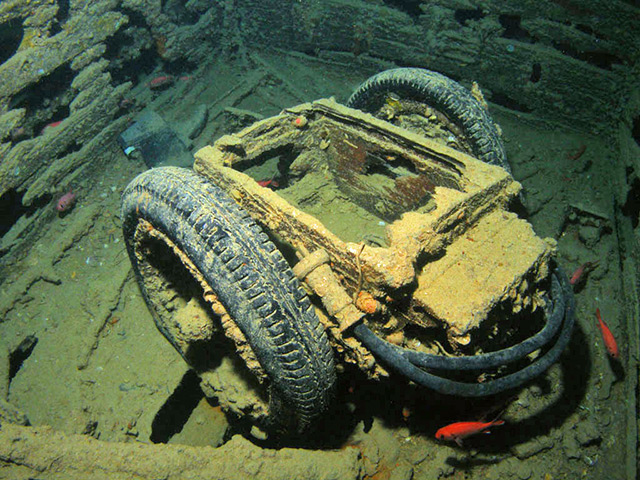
(501, 357)
(395, 360)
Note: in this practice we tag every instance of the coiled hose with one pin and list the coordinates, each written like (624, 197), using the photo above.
(411, 363)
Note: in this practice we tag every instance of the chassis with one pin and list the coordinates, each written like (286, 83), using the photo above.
(329, 235)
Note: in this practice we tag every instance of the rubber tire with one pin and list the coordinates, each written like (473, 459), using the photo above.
(252, 281)
(445, 95)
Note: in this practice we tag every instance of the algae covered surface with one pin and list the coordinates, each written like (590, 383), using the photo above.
(81, 354)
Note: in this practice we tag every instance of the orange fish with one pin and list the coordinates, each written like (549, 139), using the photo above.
(461, 430)
(582, 271)
(609, 340)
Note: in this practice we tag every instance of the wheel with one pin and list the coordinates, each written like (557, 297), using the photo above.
(470, 128)
(193, 250)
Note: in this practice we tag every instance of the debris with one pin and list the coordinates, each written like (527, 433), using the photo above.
(587, 433)
(156, 141)
(532, 447)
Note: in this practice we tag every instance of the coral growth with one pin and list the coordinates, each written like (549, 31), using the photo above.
(366, 303)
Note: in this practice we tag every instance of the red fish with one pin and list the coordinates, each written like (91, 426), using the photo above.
(271, 182)
(163, 81)
(66, 202)
(50, 125)
(582, 271)
(609, 340)
(577, 154)
(461, 430)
